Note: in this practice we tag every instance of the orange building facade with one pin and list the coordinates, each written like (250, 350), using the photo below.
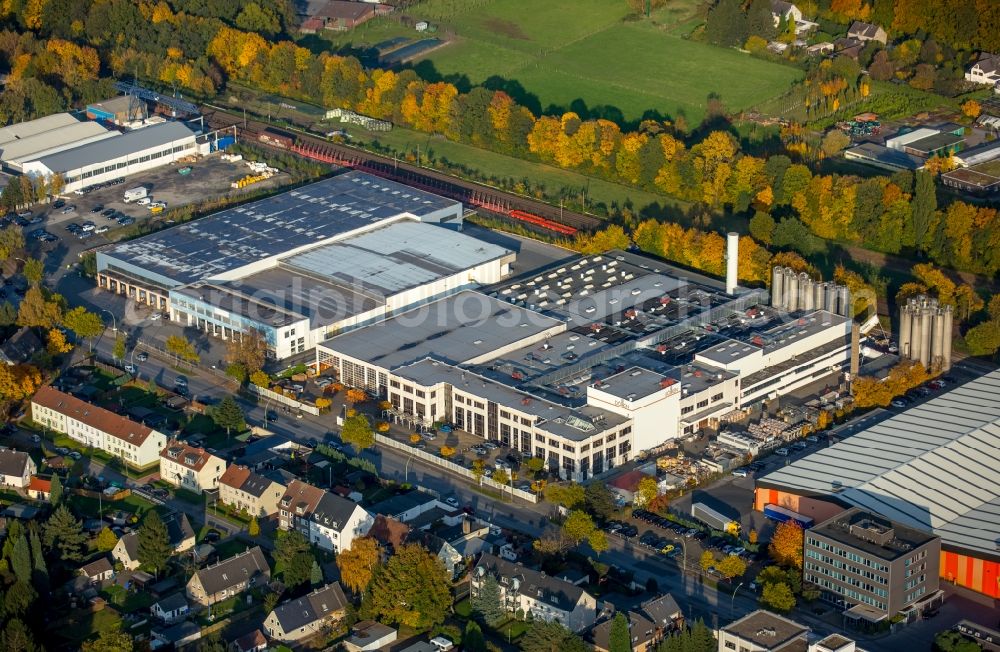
(974, 573)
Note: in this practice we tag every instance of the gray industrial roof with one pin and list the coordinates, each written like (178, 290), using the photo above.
(728, 351)
(309, 215)
(933, 466)
(635, 381)
(396, 257)
(34, 127)
(572, 423)
(110, 149)
(805, 326)
(456, 329)
(58, 139)
(904, 538)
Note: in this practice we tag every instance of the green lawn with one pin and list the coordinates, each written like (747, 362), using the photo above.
(558, 52)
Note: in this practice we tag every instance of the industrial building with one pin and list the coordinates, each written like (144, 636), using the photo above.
(872, 567)
(15, 153)
(122, 110)
(982, 179)
(589, 362)
(111, 158)
(932, 468)
(883, 157)
(926, 141)
(305, 265)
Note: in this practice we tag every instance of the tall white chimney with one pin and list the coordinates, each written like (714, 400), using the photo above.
(732, 262)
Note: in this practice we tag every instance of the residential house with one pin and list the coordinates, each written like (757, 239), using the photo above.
(16, 468)
(533, 592)
(171, 609)
(458, 544)
(229, 577)
(344, 15)
(389, 532)
(406, 507)
(306, 616)
(254, 641)
(98, 570)
(648, 625)
(784, 11)
(763, 631)
(133, 443)
(176, 635)
(664, 613)
(242, 489)
(865, 32)
(20, 346)
(39, 488)
(324, 518)
(368, 636)
(179, 532)
(191, 468)
(985, 71)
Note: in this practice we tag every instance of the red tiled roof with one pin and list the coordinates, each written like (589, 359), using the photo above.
(235, 476)
(98, 418)
(627, 481)
(188, 456)
(38, 484)
(302, 493)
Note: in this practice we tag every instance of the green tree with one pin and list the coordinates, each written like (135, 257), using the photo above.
(535, 464)
(598, 540)
(984, 339)
(834, 142)
(924, 205)
(18, 599)
(16, 637)
(619, 639)
(110, 640)
(11, 241)
(762, 227)
(119, 351)
(569, 494)
(254, 528)
(181, 348)
(357, 432)
(599, 500)
(41, 571)
(36, 311)
(34, 271)
(473, 639)
(543, 636)
(778, 597)
(578, 526)
(64, 535)
(83, 322)
(229, 415)
(8, 314)
(106, 540)
(315, 574)
(487, 602)
(294, 557)
(412, 589)
(56, 490)
(153, 541)
(952, 641)
(20, 559)
(88, 264)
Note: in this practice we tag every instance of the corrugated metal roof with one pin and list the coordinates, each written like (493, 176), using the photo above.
(933, 466)
(54, 140)
(113, 148)
(33, 127)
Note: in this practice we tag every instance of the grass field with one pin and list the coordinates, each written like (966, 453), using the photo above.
(583, 54)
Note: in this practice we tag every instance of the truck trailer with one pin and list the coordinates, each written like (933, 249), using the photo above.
(135, 194)
(715, 520)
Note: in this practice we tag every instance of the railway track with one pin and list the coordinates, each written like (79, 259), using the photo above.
(488, 200)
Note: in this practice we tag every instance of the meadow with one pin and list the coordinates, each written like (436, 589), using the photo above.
(584, 55)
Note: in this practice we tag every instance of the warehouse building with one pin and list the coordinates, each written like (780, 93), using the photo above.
(305, 265)
(30, 128)
(15, 153)
(112, 158)
(932, 468)
(121, 110)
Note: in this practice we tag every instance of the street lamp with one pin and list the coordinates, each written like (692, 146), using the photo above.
(114, 322)
(732, 601)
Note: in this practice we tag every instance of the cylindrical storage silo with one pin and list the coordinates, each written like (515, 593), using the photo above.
(937, 341)
(789, 281)
(905, 322)
(792, 293)
(777, 286)
(926, 333)
(819, 295)
(916, 331)
(732, 262)
(807, 293)
(946, 354)
(844, 301)
(830, 302)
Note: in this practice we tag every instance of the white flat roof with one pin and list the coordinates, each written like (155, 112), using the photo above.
(33, 127)
(933, 466)
(54, 140)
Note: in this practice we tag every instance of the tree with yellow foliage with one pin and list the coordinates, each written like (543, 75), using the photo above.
(19, 382)
(972, 108)
(447, 452)
(786, 544)
(57, 343)
(355, 395)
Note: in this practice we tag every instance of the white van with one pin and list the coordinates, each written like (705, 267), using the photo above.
(135, 194)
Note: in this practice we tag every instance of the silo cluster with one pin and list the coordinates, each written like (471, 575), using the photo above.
(791, 291)
(925, 332)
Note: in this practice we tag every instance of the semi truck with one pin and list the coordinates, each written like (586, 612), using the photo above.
(135, 194)
(783, 514)
(715, 520)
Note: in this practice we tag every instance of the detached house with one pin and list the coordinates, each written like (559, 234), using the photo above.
(324, 518)
(865, 32)
(648, 626)
(133, 443)
(194, 469)
(533, 592)
(170, 609)
(242, 489)
(16, 468)
(228, 578)
(985, 71)
(306, 616)
(781, 10)
(179, 532)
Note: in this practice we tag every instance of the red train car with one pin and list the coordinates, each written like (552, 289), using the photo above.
(276, 139)
(531, 218)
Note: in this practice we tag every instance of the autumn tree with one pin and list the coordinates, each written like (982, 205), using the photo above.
(646, 491)
(707, 560)
(786, 544)
(249, 349)
(84, 323)
(254, 528)
(412, 589)
(355, 395)
(19, 382)
(11, 241)
(33, 271)
(357, 564)
(778, 597)
(578, 526)
(106, 540)
(569, 494)
(36, 311)
(56, 343)
(357, 431)
(731, 566)
(182, 349)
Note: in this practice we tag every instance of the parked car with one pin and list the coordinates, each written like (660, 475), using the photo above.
(68, 209)
(142, 357)
(130, 368)
(898, 403)
(741, 472)
(59, 203)
(451, 500)
(782, 452)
